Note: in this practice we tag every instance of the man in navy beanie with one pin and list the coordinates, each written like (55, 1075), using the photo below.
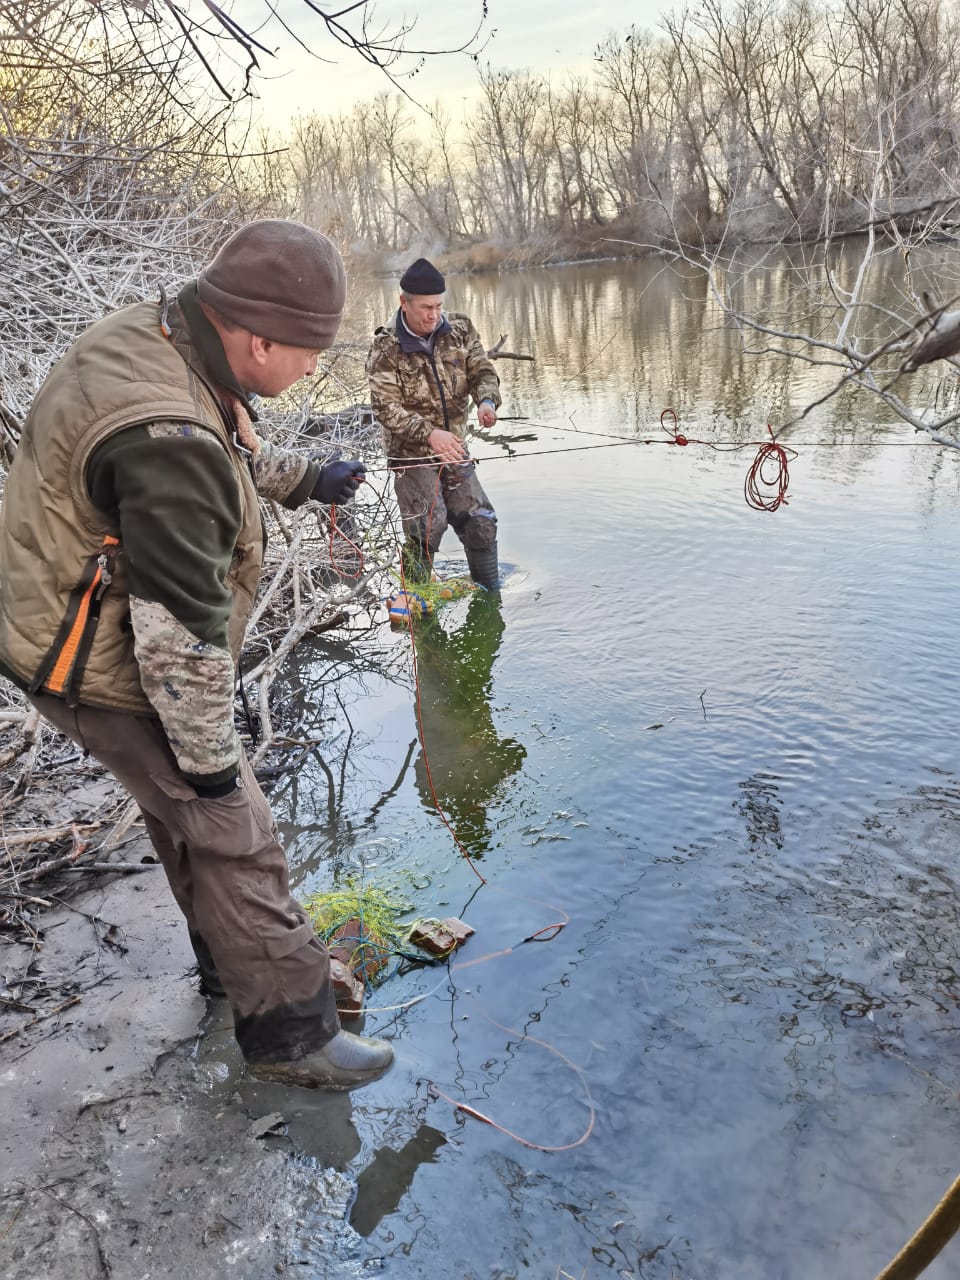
(424, 368)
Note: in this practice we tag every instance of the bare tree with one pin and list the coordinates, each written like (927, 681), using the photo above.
(634, 80)
(508, 150)
(171, 40)
(575, 119)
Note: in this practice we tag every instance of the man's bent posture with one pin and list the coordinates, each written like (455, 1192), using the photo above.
(130, 550)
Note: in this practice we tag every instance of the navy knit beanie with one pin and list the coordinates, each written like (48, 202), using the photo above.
(422, 278)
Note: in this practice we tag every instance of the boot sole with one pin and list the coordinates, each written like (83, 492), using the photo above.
(278, 1075)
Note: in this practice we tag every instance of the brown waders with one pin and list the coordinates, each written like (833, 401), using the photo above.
(430, 498)
(228, 874)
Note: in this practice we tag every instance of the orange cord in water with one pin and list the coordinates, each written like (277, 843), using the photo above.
(467, 1110)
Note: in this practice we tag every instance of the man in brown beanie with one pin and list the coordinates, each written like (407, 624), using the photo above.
(130, 551)
(423, 369)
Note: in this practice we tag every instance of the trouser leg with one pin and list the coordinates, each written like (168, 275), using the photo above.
(423, 515)
(211, 983)
(229, 876)
(180, 880)
(474, 521)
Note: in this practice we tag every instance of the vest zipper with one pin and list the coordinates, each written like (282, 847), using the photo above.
(61, 669)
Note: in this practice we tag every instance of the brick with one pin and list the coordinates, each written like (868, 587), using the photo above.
(348, 990)
(440, 936)
(355, 947)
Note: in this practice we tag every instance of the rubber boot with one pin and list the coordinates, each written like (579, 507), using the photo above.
(345, 1062)
(484, 567)
(210, 984)
(417, 562)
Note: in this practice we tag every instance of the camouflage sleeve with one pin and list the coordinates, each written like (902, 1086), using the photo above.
(283, 475)
(481, 375)
(191, 684)
(386, 401)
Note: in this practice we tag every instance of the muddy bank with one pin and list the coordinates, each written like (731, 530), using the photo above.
(127, 1154)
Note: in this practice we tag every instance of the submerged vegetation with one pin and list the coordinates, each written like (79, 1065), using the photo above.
(362, 920)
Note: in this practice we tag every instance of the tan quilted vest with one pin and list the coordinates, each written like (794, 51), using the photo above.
(64, 608)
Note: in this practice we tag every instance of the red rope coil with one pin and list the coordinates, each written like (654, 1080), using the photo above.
(767, 481)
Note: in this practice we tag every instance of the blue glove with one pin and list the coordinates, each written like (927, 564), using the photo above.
(338, 481)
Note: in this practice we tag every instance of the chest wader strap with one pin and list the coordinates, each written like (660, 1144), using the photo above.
(62, 667)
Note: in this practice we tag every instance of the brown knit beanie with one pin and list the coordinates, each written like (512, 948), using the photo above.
(281, 280)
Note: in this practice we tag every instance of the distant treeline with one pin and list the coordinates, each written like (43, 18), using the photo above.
(755, 120)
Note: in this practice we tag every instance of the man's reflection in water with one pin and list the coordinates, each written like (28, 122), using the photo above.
(386, 1180)
(468, 760)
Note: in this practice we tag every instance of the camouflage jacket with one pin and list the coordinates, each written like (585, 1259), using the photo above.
(414, 392)
(131, 448)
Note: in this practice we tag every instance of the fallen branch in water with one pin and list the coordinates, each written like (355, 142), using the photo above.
(126, 820)
(495, 352)
(124, 868)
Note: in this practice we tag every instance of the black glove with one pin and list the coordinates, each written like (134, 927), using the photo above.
(338, 481)
(215, 790)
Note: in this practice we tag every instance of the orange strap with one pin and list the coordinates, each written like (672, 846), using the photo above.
(56, 682)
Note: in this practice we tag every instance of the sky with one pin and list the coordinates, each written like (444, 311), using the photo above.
(549, 37)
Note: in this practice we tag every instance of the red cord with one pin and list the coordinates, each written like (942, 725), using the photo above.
(766, 483)
(526, 1037)
(338, 533)
(765, 487)
(675, 435)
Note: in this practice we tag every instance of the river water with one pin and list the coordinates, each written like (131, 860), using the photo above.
(722, 746)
